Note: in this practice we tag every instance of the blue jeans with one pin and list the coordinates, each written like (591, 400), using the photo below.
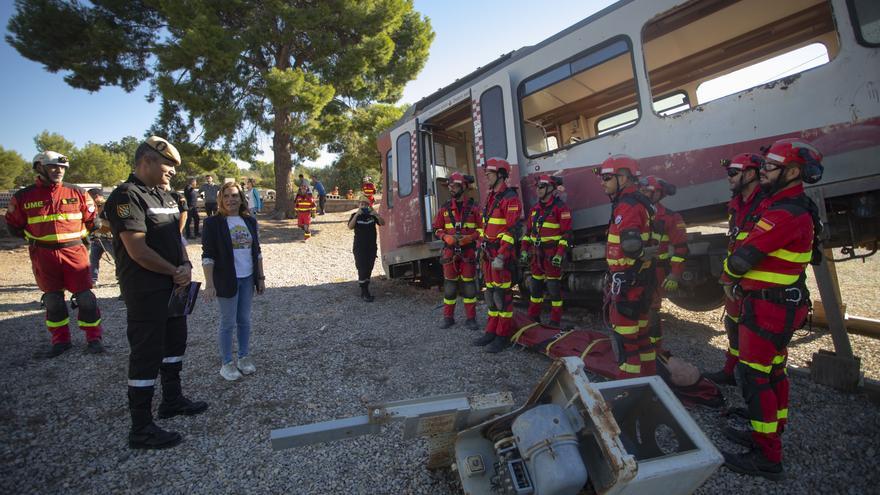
(235, 311)
(96, 250)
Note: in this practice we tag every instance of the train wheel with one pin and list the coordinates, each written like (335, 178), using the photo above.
(705, 297)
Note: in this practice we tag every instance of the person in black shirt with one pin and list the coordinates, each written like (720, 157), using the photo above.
(151, 263)
(191, 195)
(364, 221)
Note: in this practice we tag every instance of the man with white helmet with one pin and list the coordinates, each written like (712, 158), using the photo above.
(55, 219)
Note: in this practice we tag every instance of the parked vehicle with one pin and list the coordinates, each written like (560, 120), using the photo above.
(635, 78)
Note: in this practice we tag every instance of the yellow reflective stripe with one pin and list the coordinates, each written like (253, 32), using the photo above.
(505, 285)
(556, 304)
(522, 330)
(469, 300)
(551, 238)
(645, 236)
(664, 256)
(497, 221)
(778, 359)
(664, 237)
(760, 367)
(550, 225)
(448, 301)
(648, 356)
(56, 324)
(677, 259)
(773, 278)
(782, 414)
(654, 340)
(741, 236)
(554, 278)
(536, 300)
(613, 238)
(792, 256)
(527, 238)
(735, 319)
(466, 279)
(505, 237)
(727, 270)
(563, 242)
(643, 323)
(622, 262)
(88, 324)
(493, 313)
(505, 314)
(631, 368)
(481, 232)
(626, 330)
(762, 427)
(54, 217)
(538, 276)
(551, 344)
(733, 352)
(590, 347)
(67, 236)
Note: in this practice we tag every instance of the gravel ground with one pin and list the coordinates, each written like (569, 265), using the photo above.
(322, 353)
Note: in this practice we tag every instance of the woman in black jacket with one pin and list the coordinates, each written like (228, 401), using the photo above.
(233, 266)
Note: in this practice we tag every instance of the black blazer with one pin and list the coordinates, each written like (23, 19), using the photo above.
(217, 245)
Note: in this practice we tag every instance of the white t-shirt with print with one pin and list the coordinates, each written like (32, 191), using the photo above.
(241, 246)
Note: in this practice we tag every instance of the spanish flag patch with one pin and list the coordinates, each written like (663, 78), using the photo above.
(764, 224)
(565, 215)
(513, 208)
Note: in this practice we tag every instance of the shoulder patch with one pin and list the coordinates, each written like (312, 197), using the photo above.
(565, 215)
(123, 210)
(513, 207)
(764, 224)
(618, 219)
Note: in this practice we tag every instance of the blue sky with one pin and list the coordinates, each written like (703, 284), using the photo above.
(469, 34)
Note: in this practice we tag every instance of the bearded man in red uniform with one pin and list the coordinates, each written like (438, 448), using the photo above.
(631, 276)
(548, 230)
(55, 218)
(456, 224)
(669, 235)
(766, 273)
(743, 210)
(501, 214)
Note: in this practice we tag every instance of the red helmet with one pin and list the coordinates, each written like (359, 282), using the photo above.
(552, 180)
(460, 178)
(497, 164)
(614, 164)
(797, 151)
(744, 161)
(654, 183)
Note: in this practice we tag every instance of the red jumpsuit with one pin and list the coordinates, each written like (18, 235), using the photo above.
(461, 220)
(769, 267)
(632, 280)
(670, 236)
(369, 189)
(500, 216)
(741, 217)
(548, 229)
(305, 207)
(55, 218)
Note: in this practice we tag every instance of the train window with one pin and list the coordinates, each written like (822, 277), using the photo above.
(404, 165)
(865, 15)
(389, 180)
(492, 114)
(706, 43)
(558, 105)
(666, 105)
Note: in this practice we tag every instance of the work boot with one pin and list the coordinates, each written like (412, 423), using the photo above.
(181, 406)
(486, 339)
(740, 412)
(365, 293)
(471, 324)
(153, 437)
(753, 463)
(498, 344)
(741, 437)
(54, 350)
(95, 347)
(447, 322)
(721, 378)
(554, 324)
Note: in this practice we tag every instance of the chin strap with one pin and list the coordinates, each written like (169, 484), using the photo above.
(778, 184)
(738, 189)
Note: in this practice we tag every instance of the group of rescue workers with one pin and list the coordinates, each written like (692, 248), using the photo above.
(773, 228)
(772, 237)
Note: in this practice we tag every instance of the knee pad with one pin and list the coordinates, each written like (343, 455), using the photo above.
(450, 289)
(56, 310)
(554, 289)
(498, 297)
(469, 290)
(86, 301)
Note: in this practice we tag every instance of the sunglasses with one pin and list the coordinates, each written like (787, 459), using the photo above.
(607, 177)
(770, 167)
(733, 172)
(542, 186)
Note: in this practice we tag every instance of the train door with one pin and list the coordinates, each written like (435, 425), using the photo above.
(407, 227)
(494, 137)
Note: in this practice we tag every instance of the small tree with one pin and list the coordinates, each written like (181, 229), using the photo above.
(13, 169)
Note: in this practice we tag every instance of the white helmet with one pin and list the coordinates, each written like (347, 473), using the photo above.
(51, 158)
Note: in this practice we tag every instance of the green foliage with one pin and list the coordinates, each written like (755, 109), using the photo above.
(93, 163)
(50, 141)
(125, 146)
(237, 68)
(13, 169)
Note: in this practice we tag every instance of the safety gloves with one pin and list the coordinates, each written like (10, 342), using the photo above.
(524, 257)
(556, 261)
(670, 283)
(498, 263)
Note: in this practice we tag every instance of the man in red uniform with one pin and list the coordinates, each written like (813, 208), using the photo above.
(369, 189)
(548, 230)
(304, 204)
(55, 218)
(766, 272)
(501, 214)
(669, 235)
(456, 224)
(743, 210)
(631, 275)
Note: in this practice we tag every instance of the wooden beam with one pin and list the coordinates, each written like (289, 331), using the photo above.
(856, 325)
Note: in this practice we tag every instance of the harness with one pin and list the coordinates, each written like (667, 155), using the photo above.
(458, 225)
(630, 276)
(750, 218)
(540, 219)
(487, 212)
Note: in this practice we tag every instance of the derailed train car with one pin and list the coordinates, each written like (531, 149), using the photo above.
(637, 78)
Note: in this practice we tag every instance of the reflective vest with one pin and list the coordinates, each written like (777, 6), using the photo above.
(548, 225)
(500, 218)
(458, 217)
(670, 236)
(368, 188)
(51, 215)
(781, 244)
(631, 212)
(304, 203)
